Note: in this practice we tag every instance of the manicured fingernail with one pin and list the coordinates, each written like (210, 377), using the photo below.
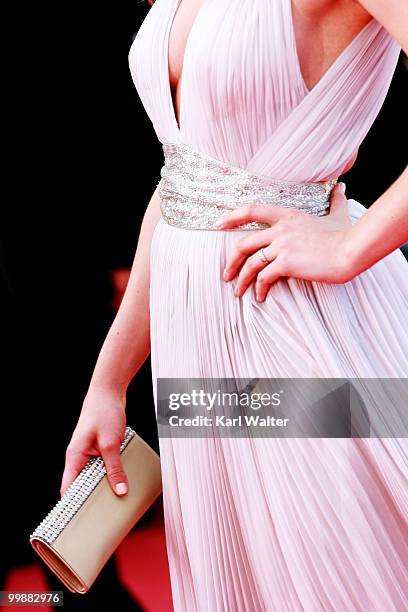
(218, 224)
(225, 274)
(342, 187)
(121, 488)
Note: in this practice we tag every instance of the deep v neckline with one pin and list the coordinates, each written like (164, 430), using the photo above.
(342, 55)
(178, 124)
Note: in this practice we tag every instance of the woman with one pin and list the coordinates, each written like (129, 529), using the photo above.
(260, 106)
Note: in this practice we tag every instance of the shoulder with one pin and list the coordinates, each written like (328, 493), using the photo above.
(392, 14)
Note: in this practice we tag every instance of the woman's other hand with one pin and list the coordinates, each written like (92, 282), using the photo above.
(296, 244)
(99, 431)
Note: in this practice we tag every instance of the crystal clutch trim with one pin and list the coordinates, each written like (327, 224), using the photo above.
(76, 494)
(196, 190)
(83, 529)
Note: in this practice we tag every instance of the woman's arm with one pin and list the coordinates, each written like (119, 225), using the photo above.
(127, 344)
(384, 227)
(381, 230)
(101, 425)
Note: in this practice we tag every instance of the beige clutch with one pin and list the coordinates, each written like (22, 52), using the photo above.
(84, 528)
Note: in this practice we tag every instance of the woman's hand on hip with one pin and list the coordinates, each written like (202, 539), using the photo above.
(296, 245)
(99, 431)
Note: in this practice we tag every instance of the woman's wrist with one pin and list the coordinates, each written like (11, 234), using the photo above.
(382, 229)
(106, 387)
(353, 259)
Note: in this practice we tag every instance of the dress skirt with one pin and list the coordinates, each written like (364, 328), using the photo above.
(266, 524)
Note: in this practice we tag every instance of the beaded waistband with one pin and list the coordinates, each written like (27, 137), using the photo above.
(196, 190)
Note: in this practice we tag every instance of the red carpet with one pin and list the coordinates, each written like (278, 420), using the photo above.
(143, 568)
(27, 578)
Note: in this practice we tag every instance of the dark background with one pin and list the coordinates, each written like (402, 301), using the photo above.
(82, 161)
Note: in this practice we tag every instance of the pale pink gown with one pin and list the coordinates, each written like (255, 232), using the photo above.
(274, 524)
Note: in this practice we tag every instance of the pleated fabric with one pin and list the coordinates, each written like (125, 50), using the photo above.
(257, 524)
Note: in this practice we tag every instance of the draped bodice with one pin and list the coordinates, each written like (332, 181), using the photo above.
(243, 99)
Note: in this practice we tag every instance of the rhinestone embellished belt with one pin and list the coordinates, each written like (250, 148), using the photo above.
(196, 190)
